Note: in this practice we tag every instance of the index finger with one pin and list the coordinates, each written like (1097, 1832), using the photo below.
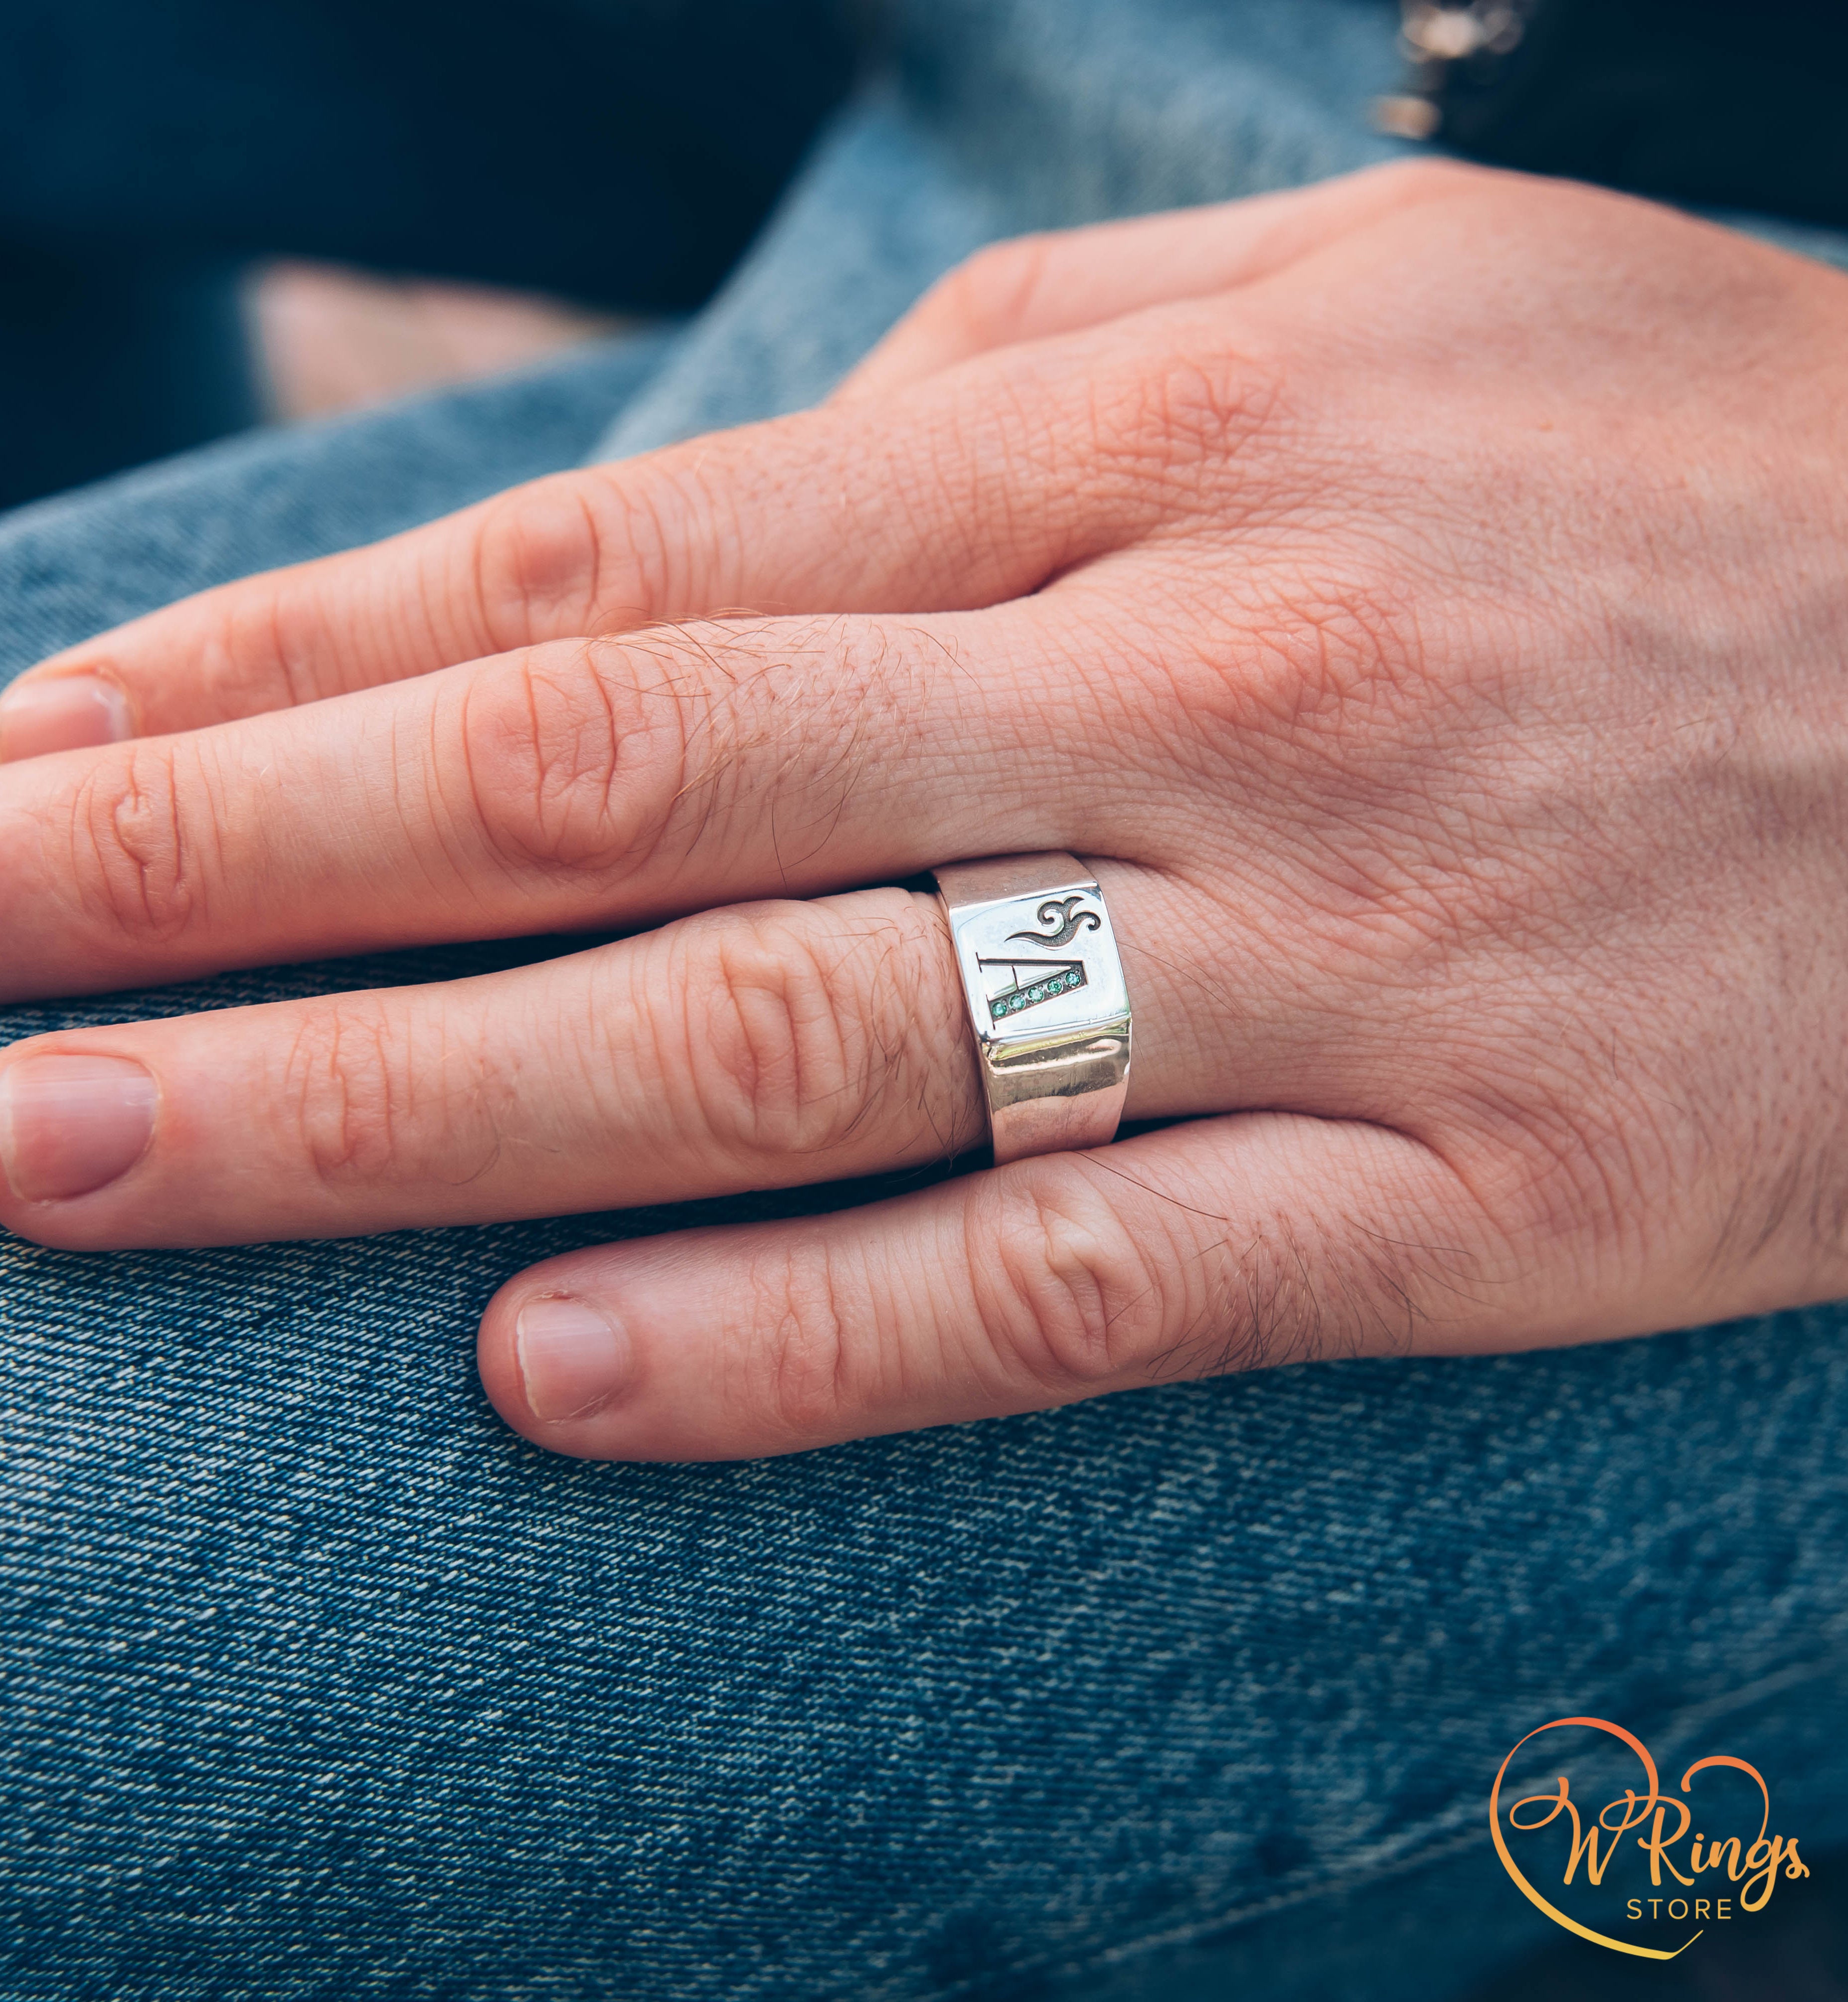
(949, 506)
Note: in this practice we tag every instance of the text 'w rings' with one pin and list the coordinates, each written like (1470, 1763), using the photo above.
(1046, 998)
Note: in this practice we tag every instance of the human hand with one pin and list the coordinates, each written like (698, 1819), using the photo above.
(1420, 598)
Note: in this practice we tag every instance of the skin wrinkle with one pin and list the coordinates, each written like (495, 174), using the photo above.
(395, 1101)
(939, 503)
(1190, 1354)
(1775, 1205)
(1208, 706)
(818, 489)
(224, 669)
(825, 743)
(1251, 1344)
(697, 496)
(132, 853)
(1173, 1360)
(593, 596)
(538, 559)
(1571, 1183)
(1380, 1301)
(545, 786)
(1059, 1269)
(289, 660)
(910, 1298)
(480, 1096)
(1394, 1332)
(1827, 1205)
(586, 773)
(1104, 496)
(429, 616)
(798, 1080)
(1308, 1341)
(1304, 664)
(1203, 412)
(648, 1094)
(693, 708)
(1812, 1182)
(842, 761)
(866, 1087)
(1433, 1258)
(1386, 1260)
(1452, 850)
(375, 1106)
(806, 1366)
(341, 1142)
(925, 1023)
(1272, 1273)
(442, 821)
(442, 620)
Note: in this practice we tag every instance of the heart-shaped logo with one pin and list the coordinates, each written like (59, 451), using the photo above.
(1718, 1876)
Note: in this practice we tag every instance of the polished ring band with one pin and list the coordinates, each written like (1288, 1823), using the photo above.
(1046, 997)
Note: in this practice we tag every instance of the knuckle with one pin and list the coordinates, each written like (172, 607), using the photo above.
(1177, 426)
(573, 765)
(1339, 653)
(1074, 1297)
(1331, 656)
(373, 1097)
(135, 860)
(988, 297)
(799, 1380)
(609, 548)
(536, 557)
(1417, 179)
(251, 650)
(789, 1054)
(340, 1068)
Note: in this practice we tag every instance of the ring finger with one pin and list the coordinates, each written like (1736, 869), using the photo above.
(756, 1046)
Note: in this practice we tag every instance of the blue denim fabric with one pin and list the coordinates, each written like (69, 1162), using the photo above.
(318, 1683)
(1009, 115)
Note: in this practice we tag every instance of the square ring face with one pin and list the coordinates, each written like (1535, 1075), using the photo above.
(1039, 965)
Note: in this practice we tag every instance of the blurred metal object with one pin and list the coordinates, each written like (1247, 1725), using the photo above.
(1434, 35)
(1701, 103)
(1434, 32)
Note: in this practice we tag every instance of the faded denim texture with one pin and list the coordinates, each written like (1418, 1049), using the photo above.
(320, 1683)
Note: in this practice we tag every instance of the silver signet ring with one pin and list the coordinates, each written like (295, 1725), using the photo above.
(1046, 998)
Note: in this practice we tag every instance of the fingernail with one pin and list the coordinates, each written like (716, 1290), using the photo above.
(572, 1357)
(61, 712)
(70, 1124)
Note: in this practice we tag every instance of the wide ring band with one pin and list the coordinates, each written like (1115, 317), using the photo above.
(1046, 998)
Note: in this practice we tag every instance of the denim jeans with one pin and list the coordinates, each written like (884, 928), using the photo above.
(319, 1682)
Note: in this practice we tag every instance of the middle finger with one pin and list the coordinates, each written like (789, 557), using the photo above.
(576, 784)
